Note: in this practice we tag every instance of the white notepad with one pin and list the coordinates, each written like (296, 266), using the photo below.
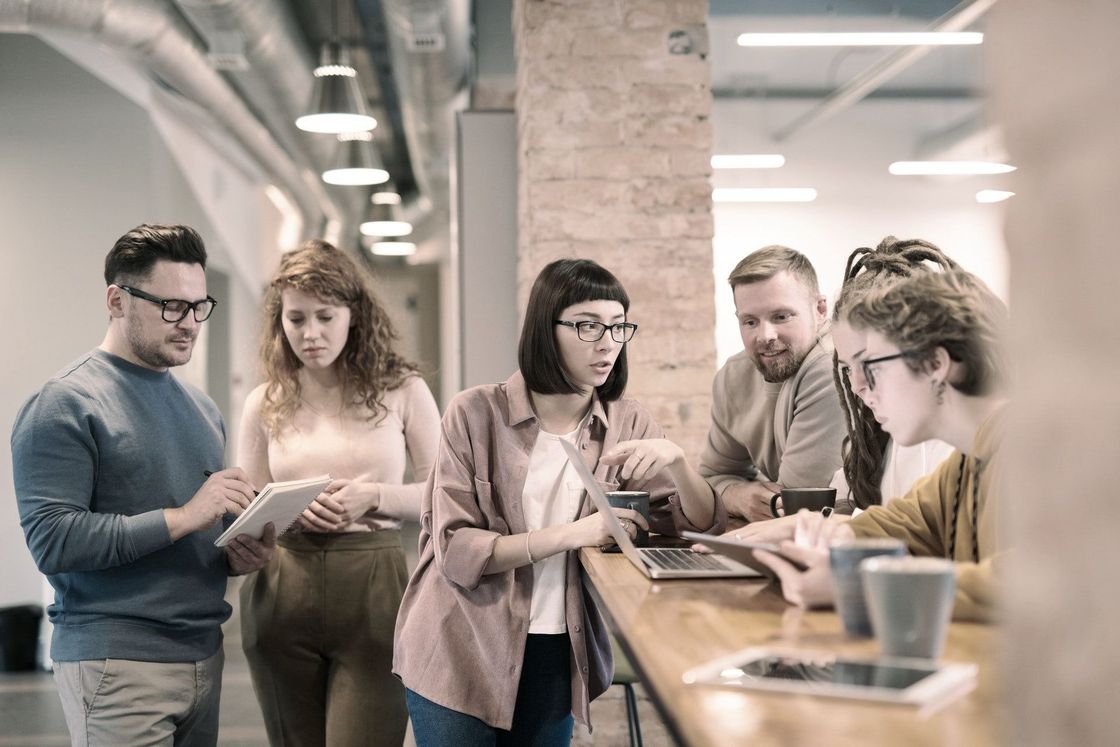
(280, 503)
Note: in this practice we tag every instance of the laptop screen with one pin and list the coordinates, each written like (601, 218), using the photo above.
(595, 490)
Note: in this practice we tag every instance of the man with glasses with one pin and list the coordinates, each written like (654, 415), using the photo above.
(776, 417)
(109, 460)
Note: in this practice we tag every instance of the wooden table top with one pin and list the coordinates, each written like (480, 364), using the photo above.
(668, 627)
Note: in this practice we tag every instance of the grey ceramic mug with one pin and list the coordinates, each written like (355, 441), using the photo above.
(844, 558)
(910, 601)
(795, 499)
(636, 500)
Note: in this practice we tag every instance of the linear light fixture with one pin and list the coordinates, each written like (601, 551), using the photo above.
(948, 168)
(764, 194)
(993, 195)
(291, 219)
(749, 161)
(862, 39)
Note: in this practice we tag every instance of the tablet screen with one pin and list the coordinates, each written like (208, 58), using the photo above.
(853, 673)
(823, 673)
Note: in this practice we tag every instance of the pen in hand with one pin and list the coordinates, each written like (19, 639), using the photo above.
(210, 472)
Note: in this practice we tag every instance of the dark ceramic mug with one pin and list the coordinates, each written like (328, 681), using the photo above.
(795, 499)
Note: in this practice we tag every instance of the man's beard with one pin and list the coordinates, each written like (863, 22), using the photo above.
(151, 352)
(781, 368)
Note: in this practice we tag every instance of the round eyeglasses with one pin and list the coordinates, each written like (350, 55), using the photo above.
(594, 331)
(175, 310)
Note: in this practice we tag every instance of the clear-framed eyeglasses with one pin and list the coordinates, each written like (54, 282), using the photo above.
(594, 331)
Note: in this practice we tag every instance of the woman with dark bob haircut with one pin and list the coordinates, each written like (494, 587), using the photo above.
(497, 641)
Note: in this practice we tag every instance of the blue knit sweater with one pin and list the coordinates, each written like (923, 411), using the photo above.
(97, 454)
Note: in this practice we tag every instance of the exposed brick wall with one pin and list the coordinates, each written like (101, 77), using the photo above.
(614, 141)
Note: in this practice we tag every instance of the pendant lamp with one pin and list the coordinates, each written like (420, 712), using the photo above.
(393, 248)
(337, 104)
(383, 218)
(356, 162)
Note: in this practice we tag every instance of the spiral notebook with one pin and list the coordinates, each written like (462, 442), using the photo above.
(279, 502)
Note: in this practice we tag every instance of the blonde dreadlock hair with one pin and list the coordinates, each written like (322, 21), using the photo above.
(865, 448)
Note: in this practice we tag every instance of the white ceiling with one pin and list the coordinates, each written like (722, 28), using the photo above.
(934, 108)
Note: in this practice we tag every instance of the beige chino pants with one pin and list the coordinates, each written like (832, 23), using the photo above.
(141, 703)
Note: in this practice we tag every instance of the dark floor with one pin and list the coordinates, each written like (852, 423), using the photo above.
(31, 716)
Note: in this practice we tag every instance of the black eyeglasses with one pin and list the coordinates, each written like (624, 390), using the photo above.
(594, 331)
(865, 365)
(175, 310)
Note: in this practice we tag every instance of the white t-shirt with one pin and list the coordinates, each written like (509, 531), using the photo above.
(551, 496)
(905, 464)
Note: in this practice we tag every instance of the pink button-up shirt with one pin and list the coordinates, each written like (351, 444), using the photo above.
(460, 637)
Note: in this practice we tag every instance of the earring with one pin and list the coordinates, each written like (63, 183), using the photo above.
(940, 389)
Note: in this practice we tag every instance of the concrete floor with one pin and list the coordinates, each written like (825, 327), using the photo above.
(31, 716)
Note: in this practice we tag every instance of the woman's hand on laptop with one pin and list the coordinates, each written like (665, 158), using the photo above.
(593, 530)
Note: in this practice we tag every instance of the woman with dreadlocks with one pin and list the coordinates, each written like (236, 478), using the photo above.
(928, 363)
(876, 468)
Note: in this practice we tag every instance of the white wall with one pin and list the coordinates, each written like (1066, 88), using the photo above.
(486, 210)
(82, 164)
(845, 159)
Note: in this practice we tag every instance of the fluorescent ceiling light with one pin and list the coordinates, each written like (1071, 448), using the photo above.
(393, 248)
(749, 161)
(993, 195)
(764, 194)
(862, 39)
(291, 219)
(945, 168)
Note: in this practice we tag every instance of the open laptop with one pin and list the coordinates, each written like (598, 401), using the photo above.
(655, 562)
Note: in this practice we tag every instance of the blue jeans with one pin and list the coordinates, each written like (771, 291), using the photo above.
(542, 716)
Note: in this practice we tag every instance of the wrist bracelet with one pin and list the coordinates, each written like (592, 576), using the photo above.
(528, 552)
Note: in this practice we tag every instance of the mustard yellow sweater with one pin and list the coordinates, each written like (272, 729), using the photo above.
(923, 518)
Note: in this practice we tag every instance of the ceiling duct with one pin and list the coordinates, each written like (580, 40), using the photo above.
(429, 48)
(157, 36)
(428, 43)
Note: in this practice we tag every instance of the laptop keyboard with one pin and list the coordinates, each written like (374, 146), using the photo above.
(681, 559)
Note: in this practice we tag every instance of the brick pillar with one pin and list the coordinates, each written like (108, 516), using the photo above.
(614, 145)
(1059, 112)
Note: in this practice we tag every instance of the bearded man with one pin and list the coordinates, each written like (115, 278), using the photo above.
(776, 417)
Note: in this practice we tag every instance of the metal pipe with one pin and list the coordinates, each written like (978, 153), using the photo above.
(156, 34)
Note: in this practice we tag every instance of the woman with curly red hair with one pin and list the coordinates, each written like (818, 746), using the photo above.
(317, 622)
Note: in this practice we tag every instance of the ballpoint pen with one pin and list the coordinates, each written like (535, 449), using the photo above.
(210, 472)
